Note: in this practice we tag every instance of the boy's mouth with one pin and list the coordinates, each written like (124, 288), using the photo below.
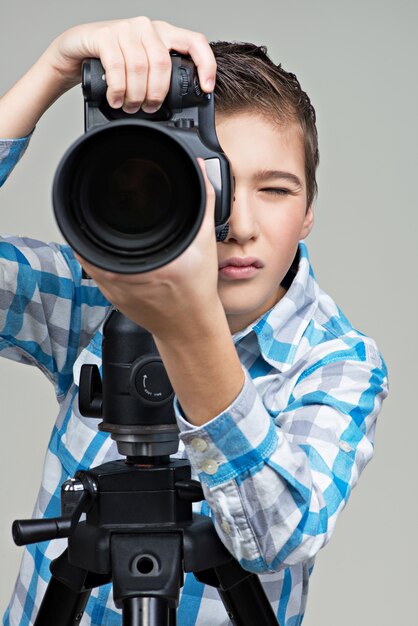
(240, 267)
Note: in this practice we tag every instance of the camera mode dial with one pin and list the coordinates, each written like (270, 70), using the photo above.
(184, 81)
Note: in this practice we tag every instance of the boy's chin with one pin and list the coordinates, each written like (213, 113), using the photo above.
(242, 312)
(247, 307)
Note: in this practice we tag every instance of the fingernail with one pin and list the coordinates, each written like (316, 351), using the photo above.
(117, 103)
(210, 84)
(149, 109)
(131, 109)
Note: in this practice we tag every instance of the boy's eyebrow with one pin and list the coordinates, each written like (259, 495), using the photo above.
(264, 175)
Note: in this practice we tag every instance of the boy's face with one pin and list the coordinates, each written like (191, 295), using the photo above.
(269, 214)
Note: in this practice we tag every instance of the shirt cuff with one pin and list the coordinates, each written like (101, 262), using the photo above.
(11, 151)
(236, 441)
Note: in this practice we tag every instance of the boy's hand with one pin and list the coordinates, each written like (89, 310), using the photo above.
(135, 55)
(178, 298)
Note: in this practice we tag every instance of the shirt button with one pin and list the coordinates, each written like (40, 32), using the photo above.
(345, 447)
(226, 527)
(210, 466)
(199, 444)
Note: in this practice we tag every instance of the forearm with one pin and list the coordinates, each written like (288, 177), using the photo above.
(25, 103)
(203, 366)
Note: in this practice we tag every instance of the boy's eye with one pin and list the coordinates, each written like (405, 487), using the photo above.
(278, 191)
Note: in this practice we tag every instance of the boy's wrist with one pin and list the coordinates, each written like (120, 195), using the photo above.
(60, 75)
(197, 320)
(200, 359)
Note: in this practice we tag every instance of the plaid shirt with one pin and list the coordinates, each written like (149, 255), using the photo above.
(277, 467)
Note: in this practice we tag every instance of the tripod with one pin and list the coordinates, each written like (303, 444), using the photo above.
(139, 532)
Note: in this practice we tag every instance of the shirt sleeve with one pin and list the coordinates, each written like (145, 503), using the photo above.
(48, 311)
(11, 151)
(276, 483)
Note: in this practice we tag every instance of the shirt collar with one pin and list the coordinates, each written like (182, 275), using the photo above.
(280, 329)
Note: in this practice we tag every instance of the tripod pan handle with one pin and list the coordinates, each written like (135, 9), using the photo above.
(33, 530)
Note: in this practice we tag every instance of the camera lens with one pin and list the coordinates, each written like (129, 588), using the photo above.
(136, 197)
(129, 197)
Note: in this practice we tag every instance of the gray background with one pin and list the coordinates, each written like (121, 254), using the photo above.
(357, 60)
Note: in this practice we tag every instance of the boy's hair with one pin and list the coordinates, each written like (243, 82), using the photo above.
(247, 79)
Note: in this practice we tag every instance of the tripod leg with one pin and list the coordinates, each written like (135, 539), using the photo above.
(147, 612)
(246, 604)
(61, 606)
(241, 593)
(67, 593)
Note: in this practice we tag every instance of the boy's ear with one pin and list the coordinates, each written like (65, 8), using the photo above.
(308, 223)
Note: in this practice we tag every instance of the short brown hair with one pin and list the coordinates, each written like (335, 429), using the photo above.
(247, 79)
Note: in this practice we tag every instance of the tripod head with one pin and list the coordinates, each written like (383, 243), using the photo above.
(134, 395)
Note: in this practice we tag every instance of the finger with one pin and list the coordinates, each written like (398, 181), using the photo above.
(159, 72)
(136, 68)
(192, 43)
(113, 63)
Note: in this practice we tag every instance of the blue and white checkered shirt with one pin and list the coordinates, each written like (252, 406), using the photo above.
(277, 467)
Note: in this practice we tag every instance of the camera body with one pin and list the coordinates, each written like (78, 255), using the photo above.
(129, 195)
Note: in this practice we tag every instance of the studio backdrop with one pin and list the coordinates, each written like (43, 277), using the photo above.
(357, 60)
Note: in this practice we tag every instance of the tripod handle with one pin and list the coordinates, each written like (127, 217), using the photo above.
(33, 530)
(75, 499)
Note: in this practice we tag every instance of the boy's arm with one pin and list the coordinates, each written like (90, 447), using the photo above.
(277, 480)
(48, 311)
(24, 104)
(35, 321)
(11, 151)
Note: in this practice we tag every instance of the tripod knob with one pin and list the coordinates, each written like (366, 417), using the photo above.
(149, 380)
(90, 399)
(190, 490)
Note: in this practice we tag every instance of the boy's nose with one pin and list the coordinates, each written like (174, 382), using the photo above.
(243, 225)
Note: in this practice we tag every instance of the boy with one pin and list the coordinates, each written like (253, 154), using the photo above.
(278, 393)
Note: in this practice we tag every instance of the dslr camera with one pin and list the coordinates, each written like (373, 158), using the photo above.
(129, 195)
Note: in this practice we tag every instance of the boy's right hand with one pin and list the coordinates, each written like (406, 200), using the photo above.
(135, 55)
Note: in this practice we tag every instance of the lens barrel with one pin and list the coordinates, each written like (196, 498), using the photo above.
(129, 196)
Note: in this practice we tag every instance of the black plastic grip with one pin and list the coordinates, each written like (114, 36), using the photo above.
(34, 530)
(184, 88)
(94, 81)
